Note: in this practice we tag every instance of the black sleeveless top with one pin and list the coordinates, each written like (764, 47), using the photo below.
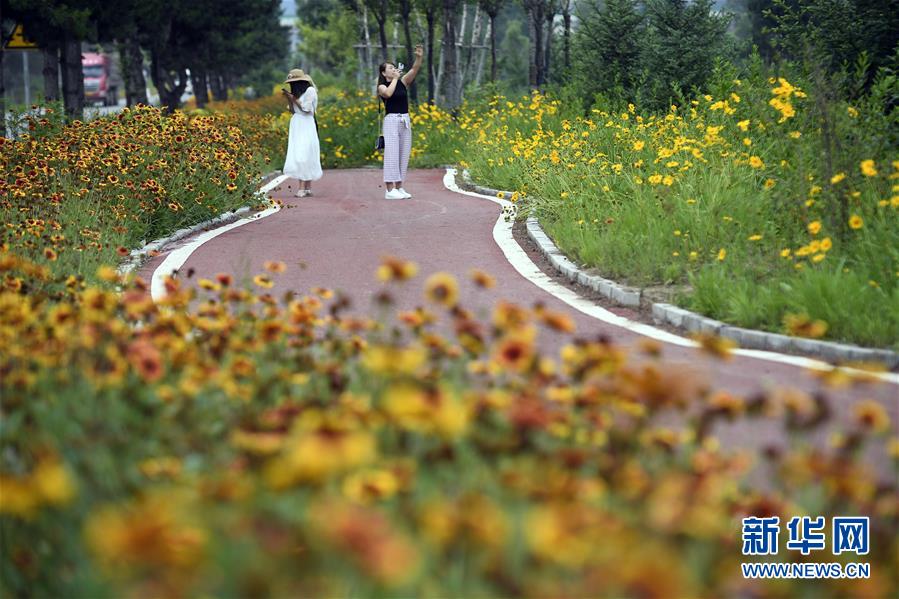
(398, 103)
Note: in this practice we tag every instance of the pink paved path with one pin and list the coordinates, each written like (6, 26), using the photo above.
(341, 233)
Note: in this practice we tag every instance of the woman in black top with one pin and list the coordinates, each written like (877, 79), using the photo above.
(392, 89)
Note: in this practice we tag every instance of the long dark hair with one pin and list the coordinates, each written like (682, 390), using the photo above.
(298, 88)
(382, 80)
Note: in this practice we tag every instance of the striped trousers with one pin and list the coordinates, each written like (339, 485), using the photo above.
(397, 147)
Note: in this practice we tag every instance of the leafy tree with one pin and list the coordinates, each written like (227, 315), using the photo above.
(682, 41)
(61, 24)
(836, 34)
(513, 64)
(326, 48)
(608, 49)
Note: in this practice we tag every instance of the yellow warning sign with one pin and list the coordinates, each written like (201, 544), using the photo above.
(18, 41)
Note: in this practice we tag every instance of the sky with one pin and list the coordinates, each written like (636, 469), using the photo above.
(288, 8)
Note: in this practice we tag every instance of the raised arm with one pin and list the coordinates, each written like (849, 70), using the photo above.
(386, 91)
(291, 101)
(409, 77)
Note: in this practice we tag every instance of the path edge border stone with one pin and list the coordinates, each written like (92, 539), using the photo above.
(137, 256)
(664, 313)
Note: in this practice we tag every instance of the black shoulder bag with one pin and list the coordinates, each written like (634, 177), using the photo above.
(379, 145)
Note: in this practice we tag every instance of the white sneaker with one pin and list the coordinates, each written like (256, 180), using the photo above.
(394, 194)
(405, 193)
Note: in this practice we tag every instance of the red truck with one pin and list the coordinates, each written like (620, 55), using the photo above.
(100, 79)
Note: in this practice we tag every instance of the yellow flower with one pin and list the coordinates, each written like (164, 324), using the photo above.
(743, 125)
(837, 178)
(394, 360)
(814, 227)
(755, 237)
(852, 111)
(872, 416)
(868, 169)
(371, 485)
(722, 254)
(856, 222)
(442, 288)
(795, 134)
(826, 244)
(785, 253)
(394, 269)
(769, 183)
(638, 145)
(756, 162)
(263, 281)
(801, 325)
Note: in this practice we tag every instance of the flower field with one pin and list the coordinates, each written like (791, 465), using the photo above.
(78, 196)
(735, 198)
(254, 445)
(235, 443)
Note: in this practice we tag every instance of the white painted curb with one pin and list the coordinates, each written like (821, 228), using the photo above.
(502, 234)
(179, 256)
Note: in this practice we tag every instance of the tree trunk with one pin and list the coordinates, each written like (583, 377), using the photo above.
(198, 81)
(532, 64)
(493, 48)
(538, 44)
(219, 91)
(72, 77)
(482, 56)
(132, 60)
(405, 13)
(566, 48)
(547, 54)
(431, 16)
(367, 67)
(51, 71)
(169, 82)
(381, 18)
(451, 79)
(2, 92)
(474, 39)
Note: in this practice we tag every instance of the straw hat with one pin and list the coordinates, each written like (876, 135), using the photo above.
(298, 75)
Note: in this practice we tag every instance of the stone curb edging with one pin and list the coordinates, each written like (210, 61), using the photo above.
(137, 257)
(684, 319)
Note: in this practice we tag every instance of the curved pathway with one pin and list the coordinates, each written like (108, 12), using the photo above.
(337, 237)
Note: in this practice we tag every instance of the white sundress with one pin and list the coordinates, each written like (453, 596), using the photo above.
(303, 160)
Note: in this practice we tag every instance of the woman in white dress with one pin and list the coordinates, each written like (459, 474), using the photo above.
(303, 161)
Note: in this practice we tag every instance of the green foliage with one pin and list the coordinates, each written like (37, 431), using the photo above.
(682, 41)
(835, 34)
(608, 42)
(324, 50)
(652, 57)
(513, 61)
(728, 193)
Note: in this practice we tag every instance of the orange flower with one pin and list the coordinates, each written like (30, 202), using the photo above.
(146, 359)
(275, 267)
(482, 279)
